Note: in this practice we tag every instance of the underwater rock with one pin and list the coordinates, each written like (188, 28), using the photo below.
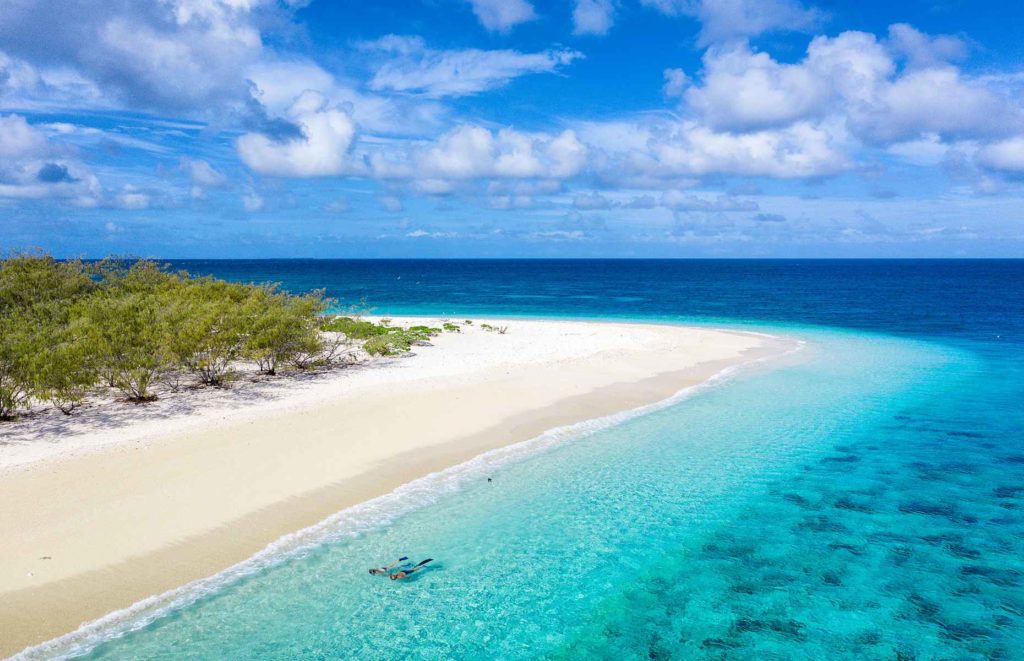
(790, 629)
(961, 551)
(797, 500)
(841, 459)
(1009, 491)
(966, 434)
(960, 631)
(930, 509)
(1009, 578)
(821, 524)
(719, 644)
(845, 503)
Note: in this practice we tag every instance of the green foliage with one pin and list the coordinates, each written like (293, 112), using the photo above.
(282, 328)
(451, 328)
(423, 332)
(356, 329)
(388, 345)
(68, 326)
(19, 347)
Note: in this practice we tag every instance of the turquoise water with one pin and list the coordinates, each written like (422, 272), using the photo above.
(863, 498)
(845, 503)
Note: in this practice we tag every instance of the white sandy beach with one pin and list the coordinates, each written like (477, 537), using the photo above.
(124, 502)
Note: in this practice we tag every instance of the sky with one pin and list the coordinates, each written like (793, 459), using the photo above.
(512, 128)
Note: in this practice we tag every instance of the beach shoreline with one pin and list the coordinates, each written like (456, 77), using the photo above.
(109, 558)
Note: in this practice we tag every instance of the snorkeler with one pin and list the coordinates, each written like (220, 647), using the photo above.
(387, 570)
(406, 573)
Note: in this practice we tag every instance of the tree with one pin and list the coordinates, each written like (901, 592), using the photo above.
(67, 370)
(129, 340)
(17, 350)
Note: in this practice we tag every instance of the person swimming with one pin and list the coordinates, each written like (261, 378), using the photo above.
(387, 570)
(406, 573)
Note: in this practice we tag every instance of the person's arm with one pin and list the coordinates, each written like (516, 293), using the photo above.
(396, 563)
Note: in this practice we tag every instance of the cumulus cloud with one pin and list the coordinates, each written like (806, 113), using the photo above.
(857, 78)
(279, 82)
(32, 167)
(1005, 155)
(173, 56)
(921, 49)
(676, 82)
(502, 15)
(414, 68)
(321, 149)
(723, 20)
(132, 198)
(593, 16)
(476, 152)
(743, 90)
(654, 151)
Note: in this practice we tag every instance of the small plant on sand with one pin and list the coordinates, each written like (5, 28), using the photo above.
(500, 330)
(468, 322)
(387, 345)
(449, 327)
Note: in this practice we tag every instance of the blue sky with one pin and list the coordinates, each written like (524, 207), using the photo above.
(476, 128)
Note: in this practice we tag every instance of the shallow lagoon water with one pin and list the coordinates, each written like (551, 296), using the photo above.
(862, 499)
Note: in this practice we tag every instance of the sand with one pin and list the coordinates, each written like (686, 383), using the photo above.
(126, 504)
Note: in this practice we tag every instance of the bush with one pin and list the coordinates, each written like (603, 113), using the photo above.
(66, 326)
(356, 329)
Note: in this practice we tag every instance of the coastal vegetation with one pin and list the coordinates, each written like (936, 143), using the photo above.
(69, 329)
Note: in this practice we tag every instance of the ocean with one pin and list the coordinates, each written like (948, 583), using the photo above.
(863, 498)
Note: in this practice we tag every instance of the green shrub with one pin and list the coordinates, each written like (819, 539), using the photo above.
(388, 345)
(451, 328)
(66, 326)
(356, 329)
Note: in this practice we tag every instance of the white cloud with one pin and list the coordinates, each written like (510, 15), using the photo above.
(475, 152)
(593, 16)
(321, 150)
(279, 82)
(1005, 156)
(936, 100)
(416, 69)
(18, 139)
(202, 173)
(32, 167)
(659, 152)
(502, 15)
(132, 198)
(390, 203)
(252, 201)
(723, 20)
(676, 82)
(855, 78)
(924, 50)
(743, 91)
(172, 56)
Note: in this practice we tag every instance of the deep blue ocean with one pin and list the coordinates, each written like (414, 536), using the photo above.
(862, 499)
